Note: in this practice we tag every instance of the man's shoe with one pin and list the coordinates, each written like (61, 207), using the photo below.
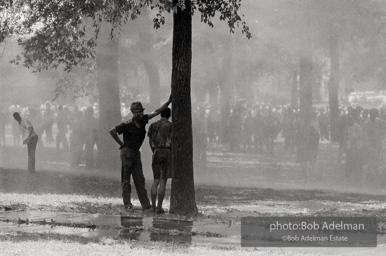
(159, 211)
(129, 206)
(146, 208)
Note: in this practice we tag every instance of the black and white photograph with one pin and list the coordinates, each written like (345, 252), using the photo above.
(193, 127)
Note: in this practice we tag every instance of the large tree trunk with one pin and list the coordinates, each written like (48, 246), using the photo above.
(305, 85)
(333, 85)
(109, 100)
(295, 90)
(183, 199)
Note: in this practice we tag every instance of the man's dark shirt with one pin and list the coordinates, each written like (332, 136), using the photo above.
(133, 136)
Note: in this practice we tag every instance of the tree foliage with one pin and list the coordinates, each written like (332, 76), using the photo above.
(64, 33)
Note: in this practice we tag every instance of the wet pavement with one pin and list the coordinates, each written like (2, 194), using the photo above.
(145, 229)
(121, 227)
(126, 227)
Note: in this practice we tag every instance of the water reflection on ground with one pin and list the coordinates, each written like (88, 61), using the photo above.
(172, 231)
(137, 228)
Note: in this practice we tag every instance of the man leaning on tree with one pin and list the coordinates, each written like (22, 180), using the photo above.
(134, 133)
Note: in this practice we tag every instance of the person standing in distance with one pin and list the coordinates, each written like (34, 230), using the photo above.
(29, 137)
(160, 139)
(133, 136)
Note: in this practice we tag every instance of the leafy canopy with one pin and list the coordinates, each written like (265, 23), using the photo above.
(64, 33)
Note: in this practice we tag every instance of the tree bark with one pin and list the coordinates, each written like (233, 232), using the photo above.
(182, 194)
(305, 85)
(109, 100)
(333, 85)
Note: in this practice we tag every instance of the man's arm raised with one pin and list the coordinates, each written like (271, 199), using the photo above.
(162, 108)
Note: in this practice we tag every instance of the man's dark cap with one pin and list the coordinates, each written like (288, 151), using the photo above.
(16, 114)
(136, 106)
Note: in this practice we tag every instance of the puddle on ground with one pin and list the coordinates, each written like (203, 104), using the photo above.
(169, 230)
(137, 228)
(121, 227)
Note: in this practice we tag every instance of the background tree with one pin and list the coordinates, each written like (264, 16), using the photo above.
(323, 29)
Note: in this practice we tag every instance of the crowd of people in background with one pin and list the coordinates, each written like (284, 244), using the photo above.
(68, 129)
(360, 134)
(247, 129)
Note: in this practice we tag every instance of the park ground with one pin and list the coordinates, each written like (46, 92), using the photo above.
(232, 186)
